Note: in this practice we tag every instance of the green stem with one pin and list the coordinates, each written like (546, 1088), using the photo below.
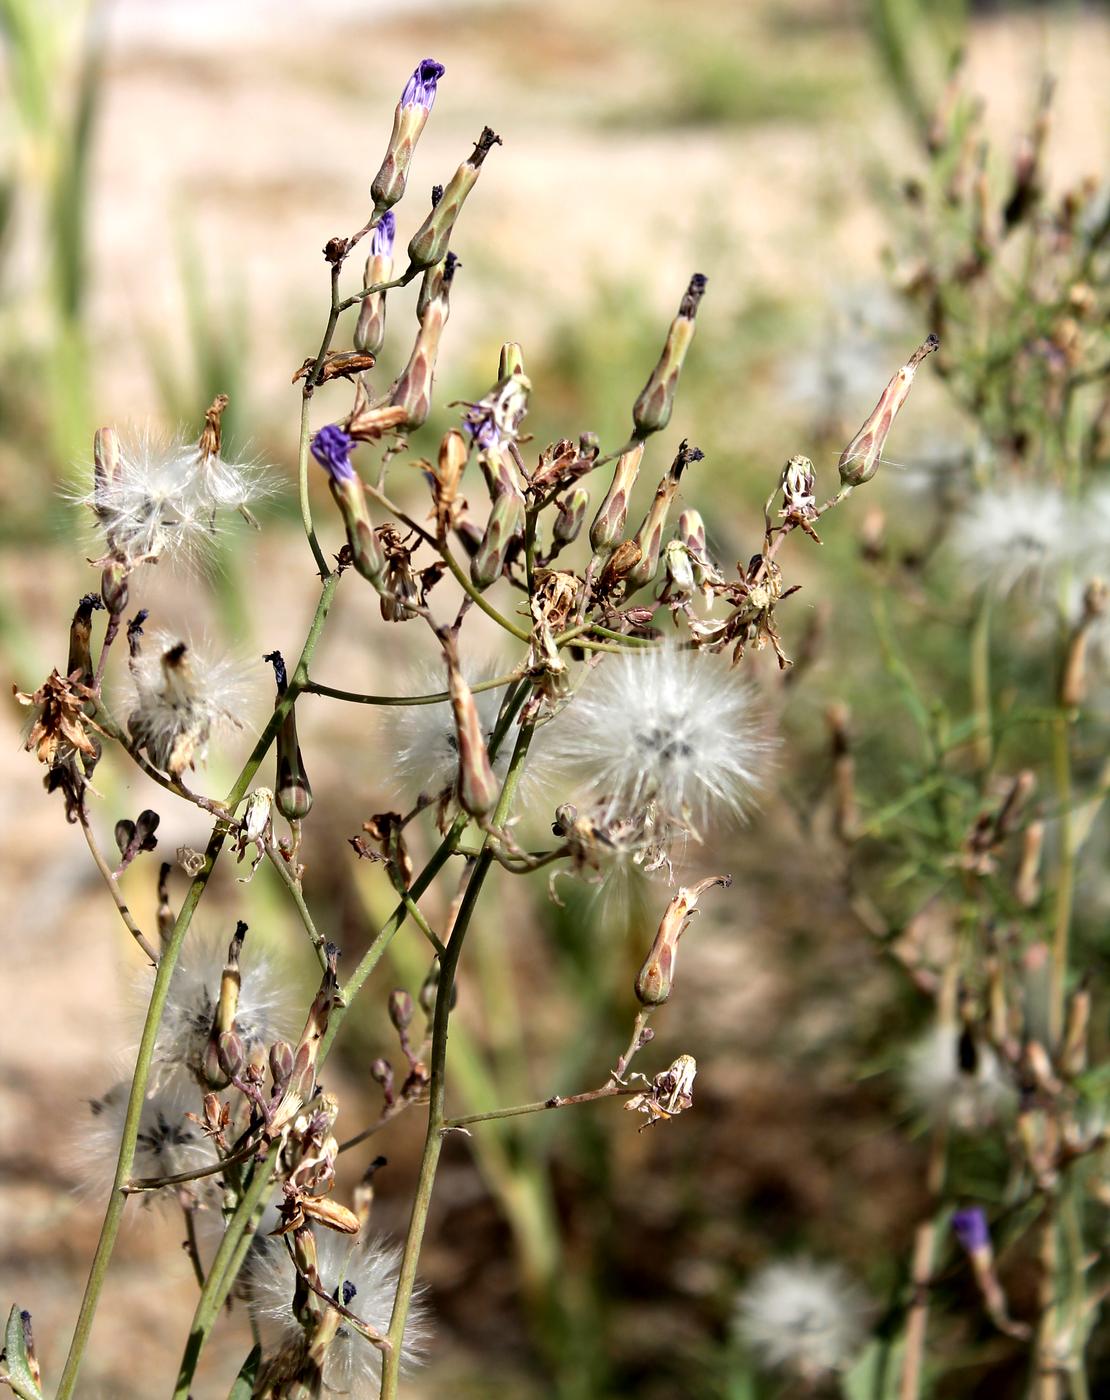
(109, 1229)
(437, 697)
(981, 684)
(302, 487)
(437, 1119)
(1065, 880)
(467, 585)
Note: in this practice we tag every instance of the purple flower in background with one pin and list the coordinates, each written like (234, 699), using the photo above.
(970, 1228)
(420, 90)
(332, 449)
(480, 423)
(382, 235)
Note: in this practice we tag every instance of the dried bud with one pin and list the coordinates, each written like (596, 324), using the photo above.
(400, 1009)
(79, 665)
(609, 522)
(860, 459)
(478, 787)
(652, 410)
(370, 330)
(408, 122)
(281, 1063)
(1074, 1053)
(656, 977)
(798, 480)
(619, 564)
(332, 449)
(571, 516)
(650, 534)
(430, 241)
(504, 530)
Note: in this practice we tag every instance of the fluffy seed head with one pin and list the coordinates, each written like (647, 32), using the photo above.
(803, 1316)
(364, 1277)
(666, 726)
(169, 1142)
(949, 1073)
(1013, 534)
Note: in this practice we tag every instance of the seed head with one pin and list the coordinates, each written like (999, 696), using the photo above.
(803, 1316)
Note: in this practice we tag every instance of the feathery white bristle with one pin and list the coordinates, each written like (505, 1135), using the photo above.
(803, 1316)
(169, 1142)
(669, 726)
(1013, 534)
(352, 1366)
(971, 1099)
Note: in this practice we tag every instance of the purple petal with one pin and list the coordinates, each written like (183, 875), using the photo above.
(332, 449)
(420, 90)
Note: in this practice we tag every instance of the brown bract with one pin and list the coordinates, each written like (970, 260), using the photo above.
(60, 721)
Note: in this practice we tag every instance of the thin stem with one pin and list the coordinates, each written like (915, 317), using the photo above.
(1065, 881)
(467, 585)
(981, 683)
(155, 1183)
(113, 888)
(192, 1248)
(281, 865)
(302, 486)
(437, 697)
(113, 1215)
(607, 1091)
(924, 1248)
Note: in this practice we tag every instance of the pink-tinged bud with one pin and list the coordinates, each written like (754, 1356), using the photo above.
(431, 240)
(652, 410)
(608, 526)
(656, 978)
(571, 516)
(650, 534)
(381, 1072)
(504, 530)
(332, 449)
(409, 120)
(281, 1063)
(860, 459)
(231, 1055)
(292, 790)
(370, 330)
(400, 1010)
(302, 1080)
(413, 390)
(478, 787)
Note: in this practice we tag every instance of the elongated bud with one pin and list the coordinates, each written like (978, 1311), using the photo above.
(973, 1233)
(413, 390)
(571, 516)
(652, 410)
(656, 978)
(1027, 880)
(381, 1072)
(430, 242)
(400, 1009)
(292, 790)
(79, 663)
(691, 531)
(650, 534)
(860, 459)
(1073, 1054)
(370, 330)
(608, 525)
(216, 1074)
(504, 529)
(478, 787)
(388, 186)
(106, 466)
(332, 449)
(511, 360)
(435, 288)
(1073, 677)
(281, 1064)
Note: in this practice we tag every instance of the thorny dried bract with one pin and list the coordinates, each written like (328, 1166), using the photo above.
(627, 634)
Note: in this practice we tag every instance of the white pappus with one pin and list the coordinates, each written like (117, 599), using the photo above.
(803, 1316)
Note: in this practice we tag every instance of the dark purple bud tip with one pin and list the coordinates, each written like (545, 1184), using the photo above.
(420, 90)
(437, 195)
(332, 449)
(970, 1228)
(349, 1291)
(694, 293)
(383, 234)
(451, 265)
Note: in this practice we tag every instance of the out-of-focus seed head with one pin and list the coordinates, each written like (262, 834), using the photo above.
(652, 410)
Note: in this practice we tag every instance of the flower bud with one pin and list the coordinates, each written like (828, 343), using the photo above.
(370, 330)
(381, 1072)
(230, 1054)
(332, 449)
(281, 1063)
(430, 242)
(79, 663)
(400, 1009)
(678, 567)
(504, 530)
(511, 361)
(571, 516)
(429, 989)
(656, 977)
(409, 120)
(650, 534)
(652, 410)
(292, 790)
(413, 390)
(609, 522)
(478, 787)
(860, 459)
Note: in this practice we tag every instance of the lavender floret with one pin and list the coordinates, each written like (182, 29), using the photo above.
(420, 90)
(383, 234)
(971, 1229)
(332, 449)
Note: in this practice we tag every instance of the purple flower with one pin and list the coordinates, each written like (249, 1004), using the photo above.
(420, 90)
(332, 449)
(970, 1228)
(480, 423)
(382, 235)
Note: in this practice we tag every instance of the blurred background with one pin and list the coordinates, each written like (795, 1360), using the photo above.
(169, 172)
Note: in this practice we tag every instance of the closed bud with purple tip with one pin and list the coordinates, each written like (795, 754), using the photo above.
(388, 185)
(413, 390)
(652, 410)
(430, 241)
(332, 449)
(370, 330)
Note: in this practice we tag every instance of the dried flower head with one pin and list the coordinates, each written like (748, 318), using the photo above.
(181, 699)
(950, 1072)
(803, 1316)
(1014, 534)
(363, 1277)
(169, 1141)
(670, 727)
